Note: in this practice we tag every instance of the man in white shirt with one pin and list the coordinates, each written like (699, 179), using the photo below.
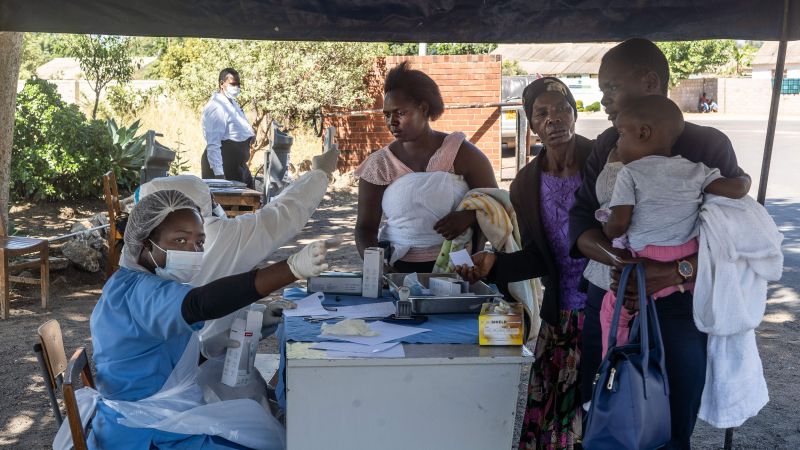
(227, 132)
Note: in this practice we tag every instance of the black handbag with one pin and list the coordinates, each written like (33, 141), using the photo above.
(630, 398)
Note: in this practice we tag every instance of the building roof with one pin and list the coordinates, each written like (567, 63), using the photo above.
(767, 55)
(556, 59)
(70, 68)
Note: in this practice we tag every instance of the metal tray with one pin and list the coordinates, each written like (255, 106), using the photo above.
(428, 304)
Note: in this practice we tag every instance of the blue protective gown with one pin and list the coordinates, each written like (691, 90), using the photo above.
(138, 335)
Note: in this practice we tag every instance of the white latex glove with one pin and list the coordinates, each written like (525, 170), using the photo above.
(273, 315)
(310, 261)
(326, 161)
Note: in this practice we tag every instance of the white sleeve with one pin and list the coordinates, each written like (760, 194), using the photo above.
(269, 228)
(214, 125)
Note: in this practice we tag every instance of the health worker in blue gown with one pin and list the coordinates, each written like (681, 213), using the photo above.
(145, 345)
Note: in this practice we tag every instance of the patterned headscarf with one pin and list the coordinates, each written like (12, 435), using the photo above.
(542, 85)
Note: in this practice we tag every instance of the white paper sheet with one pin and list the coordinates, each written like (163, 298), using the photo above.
(309, 306)
(461, 258)
(386, 332)
(353, 348)
(380, 309)
(393, 352)
(611, 255)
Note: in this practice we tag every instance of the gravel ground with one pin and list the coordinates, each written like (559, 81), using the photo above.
(26, 421)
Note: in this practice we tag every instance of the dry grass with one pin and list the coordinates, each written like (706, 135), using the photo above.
(180, 126)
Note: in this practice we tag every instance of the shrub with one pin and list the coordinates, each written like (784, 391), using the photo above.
(594, 107)
(57, 154)
(579, 105)
(126, 152)
(126, 102)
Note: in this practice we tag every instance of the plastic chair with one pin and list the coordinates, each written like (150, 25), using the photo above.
(12, 246)
(78, 367)
(52, 360)
(111, 194)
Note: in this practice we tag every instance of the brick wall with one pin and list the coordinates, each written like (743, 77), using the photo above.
(687, 93)
(461, 79)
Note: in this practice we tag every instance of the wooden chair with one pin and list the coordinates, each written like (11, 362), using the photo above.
(52, 360)
(111, 194)
(78, 366)
(12, 246)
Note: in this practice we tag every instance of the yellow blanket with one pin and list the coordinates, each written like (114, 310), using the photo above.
(498, 223)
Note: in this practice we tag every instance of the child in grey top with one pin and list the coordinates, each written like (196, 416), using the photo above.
(666, 190)
(657, 197)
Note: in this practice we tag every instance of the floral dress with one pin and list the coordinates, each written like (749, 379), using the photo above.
(554, 413)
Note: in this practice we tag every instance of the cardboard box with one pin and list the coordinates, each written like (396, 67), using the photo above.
(444, 286)
(347, 283)
(495, 328)
(239, 361)
(372, 283)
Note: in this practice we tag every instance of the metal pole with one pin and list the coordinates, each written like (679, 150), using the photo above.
(773, 107)
(522, 140)
(728, 439)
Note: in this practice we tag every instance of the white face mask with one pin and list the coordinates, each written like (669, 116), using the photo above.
(181, 265)
(232, 91)
(219, 212)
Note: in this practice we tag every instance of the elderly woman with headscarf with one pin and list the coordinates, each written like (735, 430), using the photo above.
(145, 345)
(542, 194)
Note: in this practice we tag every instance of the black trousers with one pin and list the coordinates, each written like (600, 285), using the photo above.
(685, 353)
(234, 162)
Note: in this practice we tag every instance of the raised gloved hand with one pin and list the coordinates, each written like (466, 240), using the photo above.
(310, 261)
(273, 314)
(326, 161)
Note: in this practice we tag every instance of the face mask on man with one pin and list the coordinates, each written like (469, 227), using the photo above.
(181, 265)
(232, 91)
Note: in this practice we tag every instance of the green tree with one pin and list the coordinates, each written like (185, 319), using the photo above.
(103, 59)
(445, 48)
(694, 57)
(57, 153)
(511, 68)
(288, 81)
(743, 54)
(38, 49)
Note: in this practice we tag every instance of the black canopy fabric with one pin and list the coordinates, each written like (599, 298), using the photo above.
(408, 20)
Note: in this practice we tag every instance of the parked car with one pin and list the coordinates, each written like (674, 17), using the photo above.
(508, 132)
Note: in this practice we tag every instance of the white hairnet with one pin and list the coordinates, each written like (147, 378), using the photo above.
(148, 214)
(188, 185)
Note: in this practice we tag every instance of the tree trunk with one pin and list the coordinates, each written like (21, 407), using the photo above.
(10, 47)
(96, 102)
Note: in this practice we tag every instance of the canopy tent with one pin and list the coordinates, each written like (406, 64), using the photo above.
(505, 21)
(408, 20)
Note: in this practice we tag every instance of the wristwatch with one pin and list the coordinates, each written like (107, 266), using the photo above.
(685, 269)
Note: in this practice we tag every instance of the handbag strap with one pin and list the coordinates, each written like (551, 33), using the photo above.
(623, 282)
(646, 318)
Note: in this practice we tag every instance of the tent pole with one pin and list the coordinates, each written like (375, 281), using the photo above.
(773, 107)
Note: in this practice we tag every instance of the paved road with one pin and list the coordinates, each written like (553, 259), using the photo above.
(747, 136)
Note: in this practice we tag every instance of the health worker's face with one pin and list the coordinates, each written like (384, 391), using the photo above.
(181, 230)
